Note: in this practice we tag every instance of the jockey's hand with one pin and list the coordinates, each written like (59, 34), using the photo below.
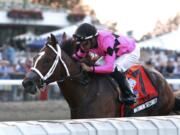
(85, 67)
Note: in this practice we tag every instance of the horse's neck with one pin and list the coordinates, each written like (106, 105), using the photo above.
(77, 94)
(73, 92)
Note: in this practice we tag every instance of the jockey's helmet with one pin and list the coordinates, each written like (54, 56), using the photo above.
(85, 32)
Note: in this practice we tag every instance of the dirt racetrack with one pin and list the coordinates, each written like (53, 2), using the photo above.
(35, 110)
(38, 110)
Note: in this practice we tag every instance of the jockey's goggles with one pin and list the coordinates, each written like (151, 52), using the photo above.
(80, 39)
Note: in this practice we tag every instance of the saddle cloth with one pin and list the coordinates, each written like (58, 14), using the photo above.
(142, 87)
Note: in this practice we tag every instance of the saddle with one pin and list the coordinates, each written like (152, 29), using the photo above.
(142, 86)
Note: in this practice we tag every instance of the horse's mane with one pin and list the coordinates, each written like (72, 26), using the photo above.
(68, 47)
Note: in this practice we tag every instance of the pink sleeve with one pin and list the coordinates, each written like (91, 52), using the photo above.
(107, 67)
(108, 44)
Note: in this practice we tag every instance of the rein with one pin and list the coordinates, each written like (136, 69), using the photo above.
(74, 77)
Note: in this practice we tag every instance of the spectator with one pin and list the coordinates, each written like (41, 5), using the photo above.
(177, 68)
(20, 67)
(9, 53)
(149, 64)
(28, 64)
(169, 72)
(5, 70)
(4, 62)
(161, 67)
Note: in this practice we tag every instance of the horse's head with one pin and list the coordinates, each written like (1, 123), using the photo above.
(49, 65)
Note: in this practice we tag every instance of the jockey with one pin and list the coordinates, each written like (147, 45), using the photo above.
(119, 54)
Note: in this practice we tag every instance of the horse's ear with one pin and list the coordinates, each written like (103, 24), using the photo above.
(48, 39)
(53, 39)
(64, 36)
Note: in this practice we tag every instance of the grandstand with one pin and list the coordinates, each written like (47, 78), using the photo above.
(37, 16)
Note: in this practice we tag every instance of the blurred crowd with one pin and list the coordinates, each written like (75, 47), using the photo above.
(165, 61)
(12, 67)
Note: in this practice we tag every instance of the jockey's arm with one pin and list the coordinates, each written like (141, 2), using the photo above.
(94, 57)
(109, 58)
(107, 67)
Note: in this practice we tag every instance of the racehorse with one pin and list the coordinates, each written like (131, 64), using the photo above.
(88, 96)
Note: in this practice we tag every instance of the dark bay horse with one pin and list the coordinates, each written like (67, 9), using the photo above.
(92, 97)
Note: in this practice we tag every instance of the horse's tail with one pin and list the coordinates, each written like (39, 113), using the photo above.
(177, 101)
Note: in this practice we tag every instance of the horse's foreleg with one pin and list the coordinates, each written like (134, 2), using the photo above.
(177, 101)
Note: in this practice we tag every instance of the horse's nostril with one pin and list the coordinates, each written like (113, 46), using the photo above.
(24, 84)
(27, 83)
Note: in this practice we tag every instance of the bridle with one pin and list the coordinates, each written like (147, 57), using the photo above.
(43, 78)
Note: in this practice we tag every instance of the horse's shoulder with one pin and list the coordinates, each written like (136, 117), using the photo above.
(105, 79)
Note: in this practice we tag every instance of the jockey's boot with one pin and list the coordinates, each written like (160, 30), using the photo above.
(127, 95)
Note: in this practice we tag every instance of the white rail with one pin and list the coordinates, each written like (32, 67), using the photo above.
(160, 125)
(19, 82)
(12, 82)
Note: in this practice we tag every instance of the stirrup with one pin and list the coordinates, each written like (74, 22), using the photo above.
(128, 100)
